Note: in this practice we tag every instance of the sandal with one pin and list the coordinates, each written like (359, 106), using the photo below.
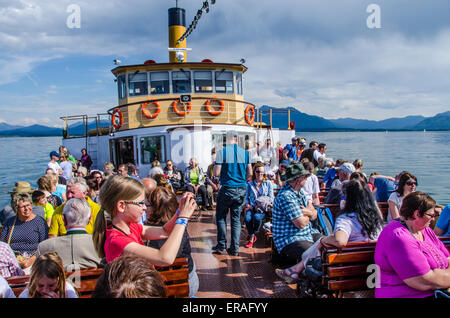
(287, 275)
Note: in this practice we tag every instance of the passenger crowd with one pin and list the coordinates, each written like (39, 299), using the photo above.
(78, 217)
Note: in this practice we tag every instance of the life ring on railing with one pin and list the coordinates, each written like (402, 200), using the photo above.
(215, 112)
(180, 113)
(113, 118)
(147, 113)
(248, 119)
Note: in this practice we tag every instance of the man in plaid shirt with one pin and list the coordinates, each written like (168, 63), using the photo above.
(292, 230)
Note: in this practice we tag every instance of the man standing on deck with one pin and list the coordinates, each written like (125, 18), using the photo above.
(290, 151)
(234, 168)
(53, 164)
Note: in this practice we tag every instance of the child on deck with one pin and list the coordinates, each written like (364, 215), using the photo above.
(39, 199)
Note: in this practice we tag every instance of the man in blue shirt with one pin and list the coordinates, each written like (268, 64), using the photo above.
(290, 151)
(293, 232)
(385, 185)
(234, 168)
(443, 223)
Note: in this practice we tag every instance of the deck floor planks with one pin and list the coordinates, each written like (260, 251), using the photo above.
(249, 275)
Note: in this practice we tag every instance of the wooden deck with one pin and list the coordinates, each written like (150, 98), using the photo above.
(249, 275)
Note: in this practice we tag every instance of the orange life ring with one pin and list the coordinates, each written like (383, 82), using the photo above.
(147, 113)
(180, 113)
(215, 112)
(113, 118)
(247, 118)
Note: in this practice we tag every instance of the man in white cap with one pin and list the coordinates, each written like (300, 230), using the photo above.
(344, 171)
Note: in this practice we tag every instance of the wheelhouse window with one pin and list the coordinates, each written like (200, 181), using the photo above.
(224, 82)
(239, 87)
(181, 81)
(159, 83)
(203, 82)
(122, 86)
(137, 84)
(153, 148)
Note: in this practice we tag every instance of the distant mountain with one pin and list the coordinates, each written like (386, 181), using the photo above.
(305, 122)
(390, 124)
(439, 122)
(34, 130)
(5, 126)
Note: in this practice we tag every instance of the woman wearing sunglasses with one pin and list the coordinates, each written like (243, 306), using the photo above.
(117, 229)
(406, 185)
(256, 188)
(412, 262)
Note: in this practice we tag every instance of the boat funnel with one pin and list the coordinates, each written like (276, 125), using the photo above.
(177, 27)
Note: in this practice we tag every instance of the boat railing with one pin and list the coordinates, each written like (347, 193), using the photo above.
(77, 126)
(132, 116)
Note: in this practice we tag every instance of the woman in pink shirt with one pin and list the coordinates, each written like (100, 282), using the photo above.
(122, 200)
(412, 261)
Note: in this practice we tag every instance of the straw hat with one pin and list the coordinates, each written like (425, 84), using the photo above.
(22, 186)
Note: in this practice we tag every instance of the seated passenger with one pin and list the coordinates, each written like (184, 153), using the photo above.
(129, 276)
(173, 175)
(256, 188)
(163, 206)
(424, 263)
(311, 187)
(293, 232)
(407, 184)
(117, 229)
(25, 231)
(443, 223)
(8, 262)
(48, 279)
(359, 221)
(5, 290)
(76, 248)
(195, 181)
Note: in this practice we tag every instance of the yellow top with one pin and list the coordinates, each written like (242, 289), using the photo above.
(57, 227)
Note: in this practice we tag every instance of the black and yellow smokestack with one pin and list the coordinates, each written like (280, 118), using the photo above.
(177, 27)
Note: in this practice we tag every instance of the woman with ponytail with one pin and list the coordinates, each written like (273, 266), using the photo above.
(117, 231)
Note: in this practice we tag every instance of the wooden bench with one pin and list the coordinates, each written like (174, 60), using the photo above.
(347, 269)
(176, 278)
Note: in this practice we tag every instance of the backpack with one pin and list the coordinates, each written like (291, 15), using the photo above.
(324, 221)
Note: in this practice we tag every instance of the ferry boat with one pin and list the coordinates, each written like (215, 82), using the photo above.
(173, 110)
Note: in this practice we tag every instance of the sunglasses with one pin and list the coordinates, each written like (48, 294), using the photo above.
(410, 183)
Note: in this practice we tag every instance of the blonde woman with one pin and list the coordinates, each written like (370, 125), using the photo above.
(48, 279)
(123, 202)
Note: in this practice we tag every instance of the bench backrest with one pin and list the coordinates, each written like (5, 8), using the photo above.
(346, 269)
(176, 278)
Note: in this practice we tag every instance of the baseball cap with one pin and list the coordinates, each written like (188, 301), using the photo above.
(347, 167)
(54, 153)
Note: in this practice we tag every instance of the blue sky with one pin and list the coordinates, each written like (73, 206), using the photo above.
(318, 56)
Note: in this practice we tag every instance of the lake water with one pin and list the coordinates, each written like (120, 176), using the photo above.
(424, 154)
